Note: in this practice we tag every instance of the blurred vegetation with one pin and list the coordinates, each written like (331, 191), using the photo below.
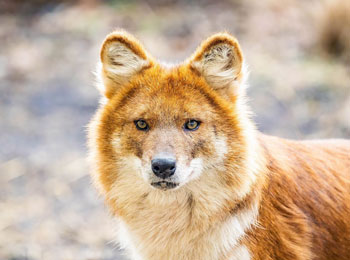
(334, 29)
(297, 52)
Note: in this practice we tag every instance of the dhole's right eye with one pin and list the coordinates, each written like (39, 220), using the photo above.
(141, 125)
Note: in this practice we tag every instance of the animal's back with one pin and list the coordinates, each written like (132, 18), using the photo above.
(305, 210)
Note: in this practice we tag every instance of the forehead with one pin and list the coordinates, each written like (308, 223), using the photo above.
(169, 95)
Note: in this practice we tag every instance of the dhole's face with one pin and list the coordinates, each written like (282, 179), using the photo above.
(167, 132)
(167, 127)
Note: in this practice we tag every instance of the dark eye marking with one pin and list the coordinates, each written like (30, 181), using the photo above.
(141, 125)
(199, 147)
(191, 125)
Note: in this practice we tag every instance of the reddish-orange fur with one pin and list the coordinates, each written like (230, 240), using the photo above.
(305, 204)
(302, 189)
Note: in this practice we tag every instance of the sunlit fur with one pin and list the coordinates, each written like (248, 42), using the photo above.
(240, 194)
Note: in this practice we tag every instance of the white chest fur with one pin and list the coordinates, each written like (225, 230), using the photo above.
(153, 236)
(240, 253)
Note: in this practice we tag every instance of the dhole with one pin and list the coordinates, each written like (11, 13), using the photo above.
(187, 175)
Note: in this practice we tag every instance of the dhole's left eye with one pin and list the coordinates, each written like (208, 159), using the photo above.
(141, 125)
(191, 125)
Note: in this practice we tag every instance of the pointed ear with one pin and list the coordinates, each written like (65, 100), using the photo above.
(220, 61)
(122, 57)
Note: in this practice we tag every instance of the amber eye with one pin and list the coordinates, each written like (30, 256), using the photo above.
(191, 125)
(141, 125)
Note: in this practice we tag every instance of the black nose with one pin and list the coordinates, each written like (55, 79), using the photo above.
(163, 168)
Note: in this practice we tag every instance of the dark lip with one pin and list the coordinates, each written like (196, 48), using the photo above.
(164, 185)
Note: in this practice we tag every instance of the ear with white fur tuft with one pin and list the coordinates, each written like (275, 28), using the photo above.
(122, 57)
(220, 61)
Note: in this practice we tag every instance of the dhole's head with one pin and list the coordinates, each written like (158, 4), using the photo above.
(162, 129)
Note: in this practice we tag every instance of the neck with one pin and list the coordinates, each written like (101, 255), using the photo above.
(188, 225)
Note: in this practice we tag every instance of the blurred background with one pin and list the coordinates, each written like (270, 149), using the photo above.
(298, 54)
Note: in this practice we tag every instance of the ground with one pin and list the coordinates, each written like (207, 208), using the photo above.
(48, 208)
